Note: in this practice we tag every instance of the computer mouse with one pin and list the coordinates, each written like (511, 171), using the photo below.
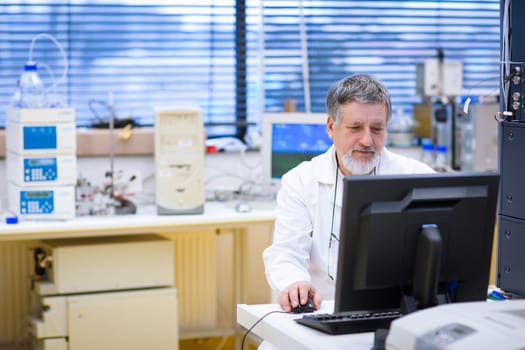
(243, 207)
(308, 307)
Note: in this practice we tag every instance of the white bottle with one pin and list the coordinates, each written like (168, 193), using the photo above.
(427, 155)
(30, 92)
(442, 157)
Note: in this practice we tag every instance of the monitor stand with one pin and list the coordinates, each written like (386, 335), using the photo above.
(425, 281)
(426, 272)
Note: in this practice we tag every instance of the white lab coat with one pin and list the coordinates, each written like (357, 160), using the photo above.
(305, 203)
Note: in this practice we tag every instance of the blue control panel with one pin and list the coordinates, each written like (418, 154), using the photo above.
(40, 169)
(36, 202)
(40, 137)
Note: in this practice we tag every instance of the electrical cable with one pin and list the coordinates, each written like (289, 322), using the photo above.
(505, 52)
(244, 161)
(222, 343)
(94, 111)
(467, 102)
(246, 186)
(257, 322)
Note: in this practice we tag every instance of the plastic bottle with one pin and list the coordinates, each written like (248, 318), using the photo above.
(30, 91)
(427, 156)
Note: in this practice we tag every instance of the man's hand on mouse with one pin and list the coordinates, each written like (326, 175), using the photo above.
(297, 294)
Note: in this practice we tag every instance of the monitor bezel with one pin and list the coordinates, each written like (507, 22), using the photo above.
(360, 191)
(268, 121)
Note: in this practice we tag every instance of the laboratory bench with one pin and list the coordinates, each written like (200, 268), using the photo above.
(217, 261)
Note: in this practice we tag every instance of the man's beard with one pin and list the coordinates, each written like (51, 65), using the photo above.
(360, 167)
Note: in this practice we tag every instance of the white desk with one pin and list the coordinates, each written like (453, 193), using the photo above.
(281, 330)
(145, 221)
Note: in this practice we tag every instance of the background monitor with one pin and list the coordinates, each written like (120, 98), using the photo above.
(289, 139)
(412, 241)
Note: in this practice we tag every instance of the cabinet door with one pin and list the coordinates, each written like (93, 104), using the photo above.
(511, 261)
(512, 193)
(134, 320)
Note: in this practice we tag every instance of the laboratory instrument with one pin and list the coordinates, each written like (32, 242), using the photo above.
(104, 293)
(511, 140)
(469, 325)
(41, 162)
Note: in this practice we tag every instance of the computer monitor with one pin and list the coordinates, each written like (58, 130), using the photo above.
(289, 139)
(413, 241)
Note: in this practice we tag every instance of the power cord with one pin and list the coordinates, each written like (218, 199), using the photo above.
(257, 322)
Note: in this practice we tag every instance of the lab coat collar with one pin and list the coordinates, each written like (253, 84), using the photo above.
(326, 167)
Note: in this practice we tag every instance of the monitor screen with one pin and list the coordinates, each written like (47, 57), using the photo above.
(289, 139)
(413, 241)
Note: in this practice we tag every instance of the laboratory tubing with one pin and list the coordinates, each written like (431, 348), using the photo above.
(30, 91)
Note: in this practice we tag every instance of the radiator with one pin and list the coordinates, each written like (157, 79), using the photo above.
(196, 280)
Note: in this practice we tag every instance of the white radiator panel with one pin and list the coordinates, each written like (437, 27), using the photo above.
(196, 280)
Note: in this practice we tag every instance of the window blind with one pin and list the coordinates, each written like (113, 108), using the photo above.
(159, 52)
(383, 38)
(147, 54)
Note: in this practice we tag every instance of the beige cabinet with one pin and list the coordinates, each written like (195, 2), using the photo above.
(105, 293)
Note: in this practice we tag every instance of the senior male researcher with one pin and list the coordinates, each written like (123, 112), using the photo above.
(301, 261)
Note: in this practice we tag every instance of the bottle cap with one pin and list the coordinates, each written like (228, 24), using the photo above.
(30, 66)
(441, 148)
(10, 220)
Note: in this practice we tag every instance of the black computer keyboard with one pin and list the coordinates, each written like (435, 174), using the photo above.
(350, 322)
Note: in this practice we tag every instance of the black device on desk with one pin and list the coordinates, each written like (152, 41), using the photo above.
(408, 242)
(303, 308)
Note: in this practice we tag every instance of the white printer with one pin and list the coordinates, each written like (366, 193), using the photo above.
(470, 325)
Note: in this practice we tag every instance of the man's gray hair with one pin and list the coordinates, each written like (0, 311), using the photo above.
(361, 88)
